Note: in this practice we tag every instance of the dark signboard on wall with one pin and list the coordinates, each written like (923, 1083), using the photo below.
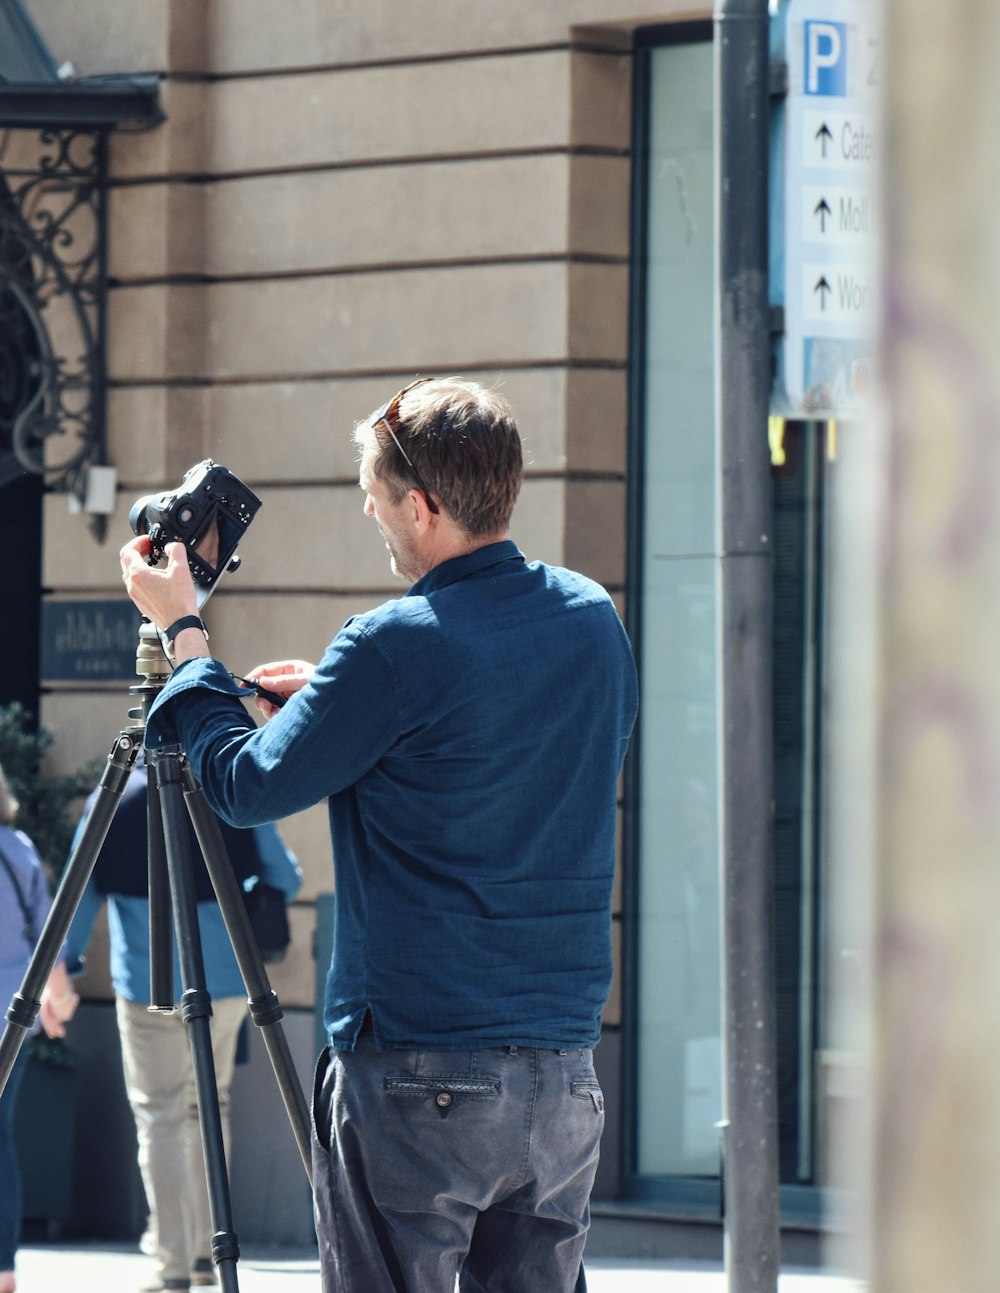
(84, 641)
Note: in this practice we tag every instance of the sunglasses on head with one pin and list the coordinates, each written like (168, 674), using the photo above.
(389, 415)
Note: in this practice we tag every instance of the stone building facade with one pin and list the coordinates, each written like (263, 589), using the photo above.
(342, 196)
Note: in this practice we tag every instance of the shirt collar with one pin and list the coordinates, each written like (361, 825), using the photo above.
(464, 567)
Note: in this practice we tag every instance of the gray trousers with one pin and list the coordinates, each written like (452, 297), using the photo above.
(437, 1170)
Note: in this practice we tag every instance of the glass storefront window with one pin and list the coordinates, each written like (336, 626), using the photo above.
(678, 1061)
(823, 649)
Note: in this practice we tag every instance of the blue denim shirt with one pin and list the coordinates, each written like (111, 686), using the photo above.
(468, 738)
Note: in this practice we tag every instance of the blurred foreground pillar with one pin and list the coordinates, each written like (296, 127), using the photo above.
(935, 1221)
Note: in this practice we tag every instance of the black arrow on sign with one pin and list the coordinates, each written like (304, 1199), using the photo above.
(822, 210)
(822, 287)
(825, 136)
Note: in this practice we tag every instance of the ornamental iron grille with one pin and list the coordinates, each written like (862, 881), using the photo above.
(53, 310)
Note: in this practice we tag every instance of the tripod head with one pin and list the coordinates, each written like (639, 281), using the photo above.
(153, 667)
(151, 662)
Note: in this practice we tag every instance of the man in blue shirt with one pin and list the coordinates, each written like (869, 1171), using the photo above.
(468, 739)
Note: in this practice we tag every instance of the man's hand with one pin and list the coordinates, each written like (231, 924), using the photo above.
(286, 677)
(59, 1002)
(163, 596)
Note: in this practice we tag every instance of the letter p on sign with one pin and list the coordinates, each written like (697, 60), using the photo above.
(826, 58)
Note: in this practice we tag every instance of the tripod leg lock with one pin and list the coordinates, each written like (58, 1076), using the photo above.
(225, 1247)
(195, 1004)
(265, 1010)
(22, 1011)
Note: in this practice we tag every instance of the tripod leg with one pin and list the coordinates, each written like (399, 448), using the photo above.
(196, 1010)
(26, 1003)
(161, 944)
(265, 1008)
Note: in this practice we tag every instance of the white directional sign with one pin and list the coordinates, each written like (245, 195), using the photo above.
(824, 207)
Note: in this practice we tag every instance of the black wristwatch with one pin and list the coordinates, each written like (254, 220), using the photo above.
(185, 622)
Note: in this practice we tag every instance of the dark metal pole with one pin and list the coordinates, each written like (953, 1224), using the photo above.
(750, 1135)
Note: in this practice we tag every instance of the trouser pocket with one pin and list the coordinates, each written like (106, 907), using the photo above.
(443, 1090)
(588, 1089)
(321, 1100)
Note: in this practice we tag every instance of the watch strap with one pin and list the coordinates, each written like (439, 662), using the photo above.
(185, 622)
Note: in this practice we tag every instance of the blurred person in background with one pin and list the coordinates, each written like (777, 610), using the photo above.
(156, 1051)
(24, 906)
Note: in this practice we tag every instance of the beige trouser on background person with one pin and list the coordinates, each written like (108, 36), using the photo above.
(159, 1080)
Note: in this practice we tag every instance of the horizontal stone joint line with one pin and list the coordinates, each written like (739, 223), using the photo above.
(437, 369)
(365, 163)
(581, 45)
(374, 267)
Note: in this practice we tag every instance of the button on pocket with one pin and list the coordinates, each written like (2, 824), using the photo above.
(588, 1089)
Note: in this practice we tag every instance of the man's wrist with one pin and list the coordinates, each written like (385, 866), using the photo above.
(185, 637)
(189, 644)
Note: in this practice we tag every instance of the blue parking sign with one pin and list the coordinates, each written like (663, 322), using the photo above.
(826, 58)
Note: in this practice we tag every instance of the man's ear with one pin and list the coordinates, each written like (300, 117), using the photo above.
(422, 514)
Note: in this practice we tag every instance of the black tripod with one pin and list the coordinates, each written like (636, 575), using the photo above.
(172, 788)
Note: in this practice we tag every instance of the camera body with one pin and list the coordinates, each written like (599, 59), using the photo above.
(208, 513)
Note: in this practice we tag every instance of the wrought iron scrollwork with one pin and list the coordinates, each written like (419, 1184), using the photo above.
(53, 293)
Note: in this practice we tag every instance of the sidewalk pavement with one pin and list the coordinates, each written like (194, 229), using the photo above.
(120, 1268)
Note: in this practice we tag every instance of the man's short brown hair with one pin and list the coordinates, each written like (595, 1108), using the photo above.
(464, 443)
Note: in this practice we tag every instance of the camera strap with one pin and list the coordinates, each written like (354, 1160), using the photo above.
(30, 932)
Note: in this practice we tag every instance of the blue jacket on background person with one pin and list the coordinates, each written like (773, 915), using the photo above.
(156, 1053)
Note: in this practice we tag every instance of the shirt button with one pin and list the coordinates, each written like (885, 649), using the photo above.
(442, 1099)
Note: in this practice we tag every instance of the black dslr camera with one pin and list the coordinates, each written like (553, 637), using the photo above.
(208, 513)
